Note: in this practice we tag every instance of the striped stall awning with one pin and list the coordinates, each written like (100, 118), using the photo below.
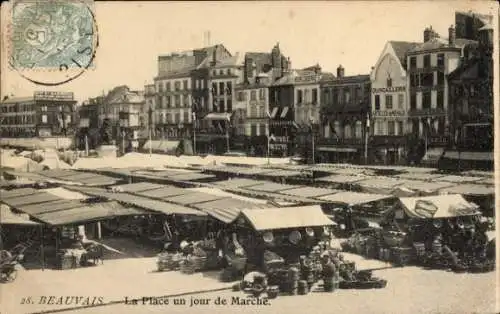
(274, 112)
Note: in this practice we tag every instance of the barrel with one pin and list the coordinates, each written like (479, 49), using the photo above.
(272, 292)
(328, 284)
(302, 287)
(293, 287)
(293, 274)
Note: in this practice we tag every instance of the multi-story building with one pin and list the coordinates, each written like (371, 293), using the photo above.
(252, 101)
(88, 125)
(389, 104)
(149, 107)
(44, 114)
(471, 97)
(428, 64)
(345, 105)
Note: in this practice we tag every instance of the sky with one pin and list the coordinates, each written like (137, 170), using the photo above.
(133, 34)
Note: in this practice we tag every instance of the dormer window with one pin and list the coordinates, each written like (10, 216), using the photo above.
(389, 82)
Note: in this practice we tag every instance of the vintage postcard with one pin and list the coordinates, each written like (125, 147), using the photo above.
(253, 157)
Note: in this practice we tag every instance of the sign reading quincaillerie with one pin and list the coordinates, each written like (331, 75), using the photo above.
(45, 95)
(392, 89)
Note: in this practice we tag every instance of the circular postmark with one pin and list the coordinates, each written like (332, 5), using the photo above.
(52, 42)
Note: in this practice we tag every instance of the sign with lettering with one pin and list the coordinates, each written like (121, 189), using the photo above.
(306, 79)
(61, 96)
(391, 113)
(392, 89)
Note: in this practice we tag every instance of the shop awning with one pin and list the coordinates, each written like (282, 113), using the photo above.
(433, 154)
(336, 149)
(284, 112)
(271, 187)
(138, 187)
(161, 145)
(238, 183)
(193, 197)
(286, 217)
(354, 198)
(380, 183)
(163, 192)
(274, 112)
(308, 191)
(440, 206)
(470, 189)
(218, 116)
(424, 186)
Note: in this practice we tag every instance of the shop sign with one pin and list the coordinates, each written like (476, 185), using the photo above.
(60, 96)
(281, 139)
(391, 113)
(306, 79)
(439, 140)
(392, 89)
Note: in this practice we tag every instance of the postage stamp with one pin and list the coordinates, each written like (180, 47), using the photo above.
(56, 37)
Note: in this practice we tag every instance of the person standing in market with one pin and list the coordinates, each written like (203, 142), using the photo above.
(328, 272)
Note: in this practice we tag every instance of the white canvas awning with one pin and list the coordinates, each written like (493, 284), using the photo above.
(218, 116)
(274, 112)
(284, 112)
(440, 206)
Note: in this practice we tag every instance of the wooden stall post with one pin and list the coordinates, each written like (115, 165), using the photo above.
(42, 249)
(99, 234)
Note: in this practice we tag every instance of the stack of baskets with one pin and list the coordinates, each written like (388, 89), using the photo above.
(192, 264)
(293, 280)
(167, 261)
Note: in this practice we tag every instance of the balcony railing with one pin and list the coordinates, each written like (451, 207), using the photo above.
(427, 112)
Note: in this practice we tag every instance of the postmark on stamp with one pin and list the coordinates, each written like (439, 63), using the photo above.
(52, 42)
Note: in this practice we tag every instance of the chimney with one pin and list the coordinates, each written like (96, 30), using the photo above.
(248, 69)
(289, 64)
(427, 34)
(317, 69)
(452, 35)
(214, 55)
(340, 71)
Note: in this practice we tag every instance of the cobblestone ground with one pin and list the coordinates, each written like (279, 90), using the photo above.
(409, 290)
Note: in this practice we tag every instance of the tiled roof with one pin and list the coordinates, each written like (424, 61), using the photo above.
(13, 100)
(260, 59)
(402, 47)
(437, 43)
(184, 72)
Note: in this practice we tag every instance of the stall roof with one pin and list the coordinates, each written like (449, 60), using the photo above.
(420, 176)
(85, 178)
(47, 207)
(88, 212)
(18, 192)
(139, 187)
(7, 217)
(380, 182)
(194, 197)
(458, 179)
(354, 198)
(139, 201)
(227, 209)
(237, 170)
(238, 183)
(341, 179)
(27, 175)
(39, 197)
(282, 173)
(418, 185)
(170, 176)
(470, 189)
(439, 206)
(274, 196)
(307, 191)
(57, 173)
(271, 187)
(486, 181)
(192, 177)
(163, 192)
(286, 217)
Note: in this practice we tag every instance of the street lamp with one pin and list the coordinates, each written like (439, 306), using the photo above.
(194, 133)
(311, 121)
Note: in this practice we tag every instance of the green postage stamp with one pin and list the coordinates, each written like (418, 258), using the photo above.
(52, 42)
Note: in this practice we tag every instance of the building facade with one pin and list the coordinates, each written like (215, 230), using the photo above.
(389, 104)
(345, 105)
(428, 64)
(471, 97)
(45, 114)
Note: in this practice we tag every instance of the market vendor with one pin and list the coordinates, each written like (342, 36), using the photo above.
(328, 272)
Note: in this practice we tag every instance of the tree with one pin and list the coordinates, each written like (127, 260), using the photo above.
(106, 132)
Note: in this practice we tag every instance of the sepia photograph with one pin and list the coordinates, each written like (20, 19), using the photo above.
(249, 156)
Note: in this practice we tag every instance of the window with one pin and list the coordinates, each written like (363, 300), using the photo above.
(168, 87)
(413, 62)
(214, 73)
(347, 94)
(177, 85)
(229, 105)
(358, 130)
(413, 101)
(221, 72)
(168, 101)
(427, 61)
(253, 111)
(415, 80)
(229, 88)
(340, 97)
(334, 96)
(391, 128)
(440, 60)
(253, 130)
(299, 96)
(440, 78)
(214, 88)
(440, 100)
(307, 96)
(241, 96)
(315, 96)
(377, 102)
(347, 131)
(388, 101)
(177, 101)
(262, 93)
(253, 95)
(177, 118)
(426, 100)
(380, 127)
(44, 118)
(221, 88)
(228, 71)
(185, 100)
(401, 128)
(221, 106)
(359, 94)
(160, 87)
(389, 82)
(262, 129)
(401, 101)
(185, 85)
(427, 79)
(441, 126)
